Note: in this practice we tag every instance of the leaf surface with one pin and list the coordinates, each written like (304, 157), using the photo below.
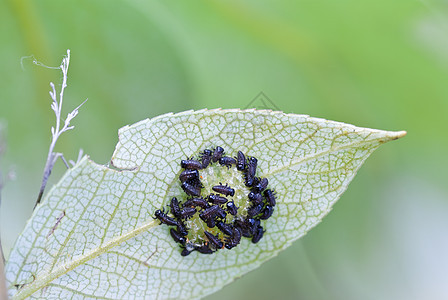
(94, 236)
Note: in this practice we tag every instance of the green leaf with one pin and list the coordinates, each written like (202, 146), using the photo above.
(94, 236)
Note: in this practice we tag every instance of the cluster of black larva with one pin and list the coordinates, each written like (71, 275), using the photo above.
(222, 223)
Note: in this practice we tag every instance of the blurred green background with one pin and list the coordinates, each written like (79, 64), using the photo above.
(373, 63)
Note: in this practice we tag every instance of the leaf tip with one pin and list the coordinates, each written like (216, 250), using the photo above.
(398, 134)
(393, 135)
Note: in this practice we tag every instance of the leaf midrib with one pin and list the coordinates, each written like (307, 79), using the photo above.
(312, 156)
(45, 278)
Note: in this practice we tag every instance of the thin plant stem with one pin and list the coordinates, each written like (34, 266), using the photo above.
(56, 131)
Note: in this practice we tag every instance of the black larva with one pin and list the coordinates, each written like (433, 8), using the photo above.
(224, 189)
(270, 197)
(206, 158)
(250, 172)
(185, 252)
(191, 164)
(258, 235)
(231, 208)
(212, 212)
(208, 216)
(254, 210)
(210, 221)
(261, 184)
(181, 229)
(179, 238)
(214, 240)
(194, 202)
(255, 225)
(205, 249)
(187, 212)
(191, 189)
(234, 239)
(245, 226)
(255, 198)
(217, 154)
(230, 218)
(241, 161)
(267, 212)
(225, 228)
(254, 183)
(216, 199)
(175, 209)
(189, 175)
(164, 219)
(227, 161)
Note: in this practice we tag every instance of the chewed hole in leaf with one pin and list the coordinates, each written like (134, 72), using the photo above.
(223, 201)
